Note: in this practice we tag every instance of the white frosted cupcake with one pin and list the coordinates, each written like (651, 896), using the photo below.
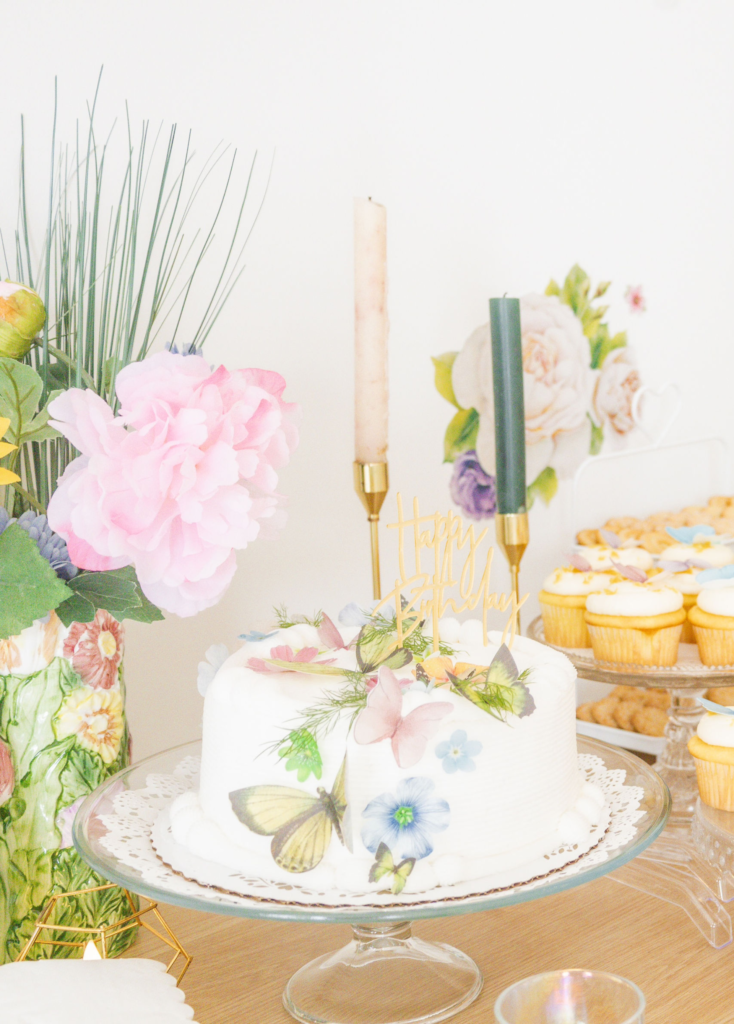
(604, 556)
(712, 617)
(563, 603)
(700, 544)
(635, 623)
(683, 577)
(712, 749)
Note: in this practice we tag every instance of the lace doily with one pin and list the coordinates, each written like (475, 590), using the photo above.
(138, 824)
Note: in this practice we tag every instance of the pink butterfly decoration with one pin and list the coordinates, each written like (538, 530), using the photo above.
(382, 719)
(610, 538)
(330, 636)
(579, 562)
(631, 572)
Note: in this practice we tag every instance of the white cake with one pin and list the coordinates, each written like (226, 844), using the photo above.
(426, 786)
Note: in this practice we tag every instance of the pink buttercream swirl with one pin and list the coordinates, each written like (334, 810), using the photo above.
(179, 480)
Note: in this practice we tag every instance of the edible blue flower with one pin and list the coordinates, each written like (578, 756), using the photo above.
(688, 534)
(457, 752)
(405, 819)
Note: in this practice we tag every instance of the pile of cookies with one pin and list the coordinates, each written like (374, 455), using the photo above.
(635, 709)
(650, 532)
(631, 708)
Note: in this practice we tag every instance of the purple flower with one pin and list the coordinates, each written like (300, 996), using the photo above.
(471, 488)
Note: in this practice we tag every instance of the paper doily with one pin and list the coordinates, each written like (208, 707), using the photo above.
(132, 832)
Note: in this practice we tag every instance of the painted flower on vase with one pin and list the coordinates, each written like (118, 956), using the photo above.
(457, 752)
(616, 386)
(95, 650)
(95, 717)
(182, 477)
(473, 490)
(406, 819)
(7, 773)
(9, 654)
(65, 821)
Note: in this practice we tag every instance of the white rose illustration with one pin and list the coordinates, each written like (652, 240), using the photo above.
(558, 386)
(616, 385)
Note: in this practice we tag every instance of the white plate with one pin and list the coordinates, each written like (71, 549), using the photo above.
(586, 691)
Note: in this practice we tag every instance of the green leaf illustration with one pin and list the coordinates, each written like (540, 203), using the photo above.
(302, 753)
(544, 486)
(608, 345)
(20, 392)
(461, 434)
(444, 384)
(29, 587)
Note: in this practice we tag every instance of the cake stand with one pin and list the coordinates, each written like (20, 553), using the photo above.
(385, 975)
(673, 869)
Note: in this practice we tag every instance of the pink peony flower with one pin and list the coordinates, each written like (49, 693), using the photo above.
(178, 481)
(95, 650)
(7, 774)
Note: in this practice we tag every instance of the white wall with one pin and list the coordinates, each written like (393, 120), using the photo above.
(508, 140)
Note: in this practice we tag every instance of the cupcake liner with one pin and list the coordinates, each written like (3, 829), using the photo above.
(565, 625)
(632, 646)
(715, 646)
(716, 783)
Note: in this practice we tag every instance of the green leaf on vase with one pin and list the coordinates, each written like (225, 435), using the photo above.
(83, 772)
(544, 486)
(29, 587)
(461, 434)
(444, 384)
(597, 437)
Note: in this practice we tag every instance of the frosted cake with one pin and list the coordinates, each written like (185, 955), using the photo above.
(330, 759)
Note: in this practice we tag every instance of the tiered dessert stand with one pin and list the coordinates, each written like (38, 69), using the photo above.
(674, 869)
(384, 975)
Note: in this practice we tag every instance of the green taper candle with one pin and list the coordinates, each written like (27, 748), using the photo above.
(509, 408)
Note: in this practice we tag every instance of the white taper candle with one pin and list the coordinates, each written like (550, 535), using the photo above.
(370, 331)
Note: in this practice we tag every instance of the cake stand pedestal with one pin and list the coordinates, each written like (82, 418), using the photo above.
(385, 975)
(674, 868)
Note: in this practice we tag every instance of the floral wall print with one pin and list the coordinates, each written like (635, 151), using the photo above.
(579, 381)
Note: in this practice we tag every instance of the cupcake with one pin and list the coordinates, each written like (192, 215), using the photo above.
(635, 623)
(700, 544)
(712, 616)
(712, 749)
(606, 556)
(563, 602)
(683, 577)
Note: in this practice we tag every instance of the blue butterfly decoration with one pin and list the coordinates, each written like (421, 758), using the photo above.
(725, 572)
(718, 709)
(687, 534)
(254, 635)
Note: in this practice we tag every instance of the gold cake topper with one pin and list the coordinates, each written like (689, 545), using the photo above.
(426, 590)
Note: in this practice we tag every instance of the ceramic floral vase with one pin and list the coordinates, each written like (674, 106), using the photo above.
(62, 732)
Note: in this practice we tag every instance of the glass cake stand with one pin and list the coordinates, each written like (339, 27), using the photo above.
(674, 869)
(385, 975)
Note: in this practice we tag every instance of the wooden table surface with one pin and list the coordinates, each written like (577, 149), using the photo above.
(240, 967)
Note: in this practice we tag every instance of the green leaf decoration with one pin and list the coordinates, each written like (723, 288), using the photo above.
(597, 437)
(118, 591)
(39, 429)
(553, 288)
(607, 345)
(20, 392)
(302, 753)
(444, 384)
(544, 486)
(461, 434)
(29, 587)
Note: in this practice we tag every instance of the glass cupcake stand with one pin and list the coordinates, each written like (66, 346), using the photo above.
(675, 868)
(385, 975)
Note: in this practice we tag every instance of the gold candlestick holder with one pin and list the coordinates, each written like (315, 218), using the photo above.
(513, 535)
(371, 483)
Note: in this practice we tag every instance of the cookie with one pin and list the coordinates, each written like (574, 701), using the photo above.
(588, 538)
(583, 712)
(655, 541)
(721, 695)
(603, 712)
(635, 693)
(650, 721)
(624, 712)
(657, 699)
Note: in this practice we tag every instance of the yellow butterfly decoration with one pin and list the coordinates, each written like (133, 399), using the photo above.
(6, 475)
(385, 865)
(300, 824)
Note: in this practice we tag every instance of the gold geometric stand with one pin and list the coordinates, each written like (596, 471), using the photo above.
(104, 935)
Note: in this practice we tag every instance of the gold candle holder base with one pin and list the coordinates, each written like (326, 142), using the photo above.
(371, 483)
(513, 536)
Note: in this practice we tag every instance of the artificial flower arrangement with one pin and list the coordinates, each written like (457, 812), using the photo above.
(129, 480)
(579, 382)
